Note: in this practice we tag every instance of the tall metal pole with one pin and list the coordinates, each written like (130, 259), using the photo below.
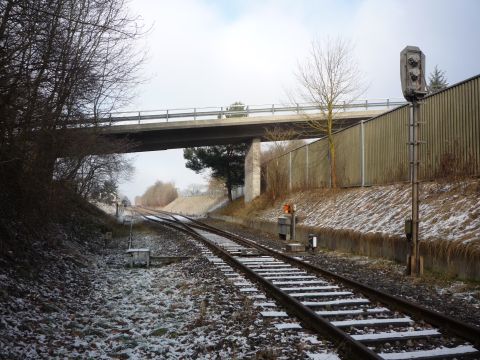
(414, 262)
(290, 171)
(293, 209)
(412, 76)
(362, 150)
(307, 184)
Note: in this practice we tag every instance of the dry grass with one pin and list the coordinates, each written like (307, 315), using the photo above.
(123, 230)
(232, 208)
(201, 319)
(444, 249)
(452, 167)
(240, 209)
(194, 205)
(266, 354)
(247, 314)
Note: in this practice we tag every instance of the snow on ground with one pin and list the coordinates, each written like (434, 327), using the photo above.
(447, 211)
(92, 306)
(106, 208)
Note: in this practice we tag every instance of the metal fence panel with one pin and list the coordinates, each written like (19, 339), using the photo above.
(299, 173)
(386, 150)
(348, 157)
(319, 176)
(450, 127)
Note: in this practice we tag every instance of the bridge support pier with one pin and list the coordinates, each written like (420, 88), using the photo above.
(252, 171)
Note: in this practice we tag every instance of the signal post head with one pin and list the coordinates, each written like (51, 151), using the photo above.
(412, 73)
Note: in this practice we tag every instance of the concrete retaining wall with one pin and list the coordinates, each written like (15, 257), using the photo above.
(438, 257)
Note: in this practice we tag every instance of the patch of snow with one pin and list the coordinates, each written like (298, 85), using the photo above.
(320, 294)
(376, 310)
(248, 289)
(363, 322)
(442, 351)
(274, 313)
(336, 302)
(396, 335)
(303, 288)
(323, 356)
(288, 326)
(294, 282)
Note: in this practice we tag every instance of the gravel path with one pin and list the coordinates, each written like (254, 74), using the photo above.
(451, 297)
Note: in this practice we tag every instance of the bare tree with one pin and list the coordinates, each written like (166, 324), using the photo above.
(327, 78)
(194, 190)
(275, 174)
(63, 64)
(280, 141)
(92, 171)
(159, 194)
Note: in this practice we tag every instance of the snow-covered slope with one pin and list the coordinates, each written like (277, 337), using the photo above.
(448, 211)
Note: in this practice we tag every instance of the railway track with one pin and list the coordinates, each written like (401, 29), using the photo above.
(362, 322)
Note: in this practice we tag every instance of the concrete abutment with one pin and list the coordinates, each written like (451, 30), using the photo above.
(252, 171)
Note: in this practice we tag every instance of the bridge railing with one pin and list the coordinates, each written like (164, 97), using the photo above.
(209, 113)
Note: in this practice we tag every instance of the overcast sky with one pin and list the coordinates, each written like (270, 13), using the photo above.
(214, 52)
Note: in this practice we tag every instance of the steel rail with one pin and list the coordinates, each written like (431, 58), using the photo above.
(348, 346)
(454, 326)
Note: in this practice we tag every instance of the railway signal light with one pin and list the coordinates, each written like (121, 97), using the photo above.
(412, 73)
(412, 76)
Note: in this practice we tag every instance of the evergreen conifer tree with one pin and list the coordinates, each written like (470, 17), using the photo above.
(225, 162)
(437, 80)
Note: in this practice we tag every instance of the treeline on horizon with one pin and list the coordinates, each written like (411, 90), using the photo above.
(158, 195)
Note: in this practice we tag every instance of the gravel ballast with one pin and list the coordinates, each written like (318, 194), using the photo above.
(90, 305)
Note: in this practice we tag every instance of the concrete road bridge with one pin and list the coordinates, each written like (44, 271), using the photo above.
(180, 128)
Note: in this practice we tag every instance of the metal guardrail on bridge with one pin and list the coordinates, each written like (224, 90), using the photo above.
(184, 114)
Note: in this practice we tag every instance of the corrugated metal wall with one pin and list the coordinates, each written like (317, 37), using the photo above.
(386, 148)
(451, 131)
(450, 128)
(348, 157)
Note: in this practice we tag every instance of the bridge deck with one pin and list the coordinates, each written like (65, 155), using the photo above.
(180, 134)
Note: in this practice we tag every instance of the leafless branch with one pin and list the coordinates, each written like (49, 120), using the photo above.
(329, 76)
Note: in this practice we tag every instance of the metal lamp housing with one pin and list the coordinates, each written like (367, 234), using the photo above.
(412, 73)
